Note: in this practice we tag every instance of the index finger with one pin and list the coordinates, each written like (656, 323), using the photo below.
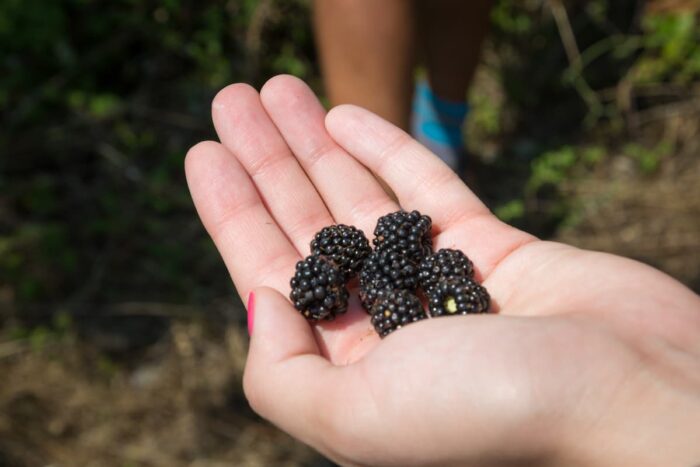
(350, 191)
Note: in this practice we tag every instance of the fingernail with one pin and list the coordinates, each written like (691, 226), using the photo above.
(251, 312)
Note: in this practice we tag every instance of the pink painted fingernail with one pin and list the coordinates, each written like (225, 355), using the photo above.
(251, 312)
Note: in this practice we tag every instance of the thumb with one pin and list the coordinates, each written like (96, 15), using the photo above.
(277, 330)
(285, 375)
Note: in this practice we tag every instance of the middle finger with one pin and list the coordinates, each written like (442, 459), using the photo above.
(351, 192)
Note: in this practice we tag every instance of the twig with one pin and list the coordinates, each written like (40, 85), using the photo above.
(655, 90)
(169, 310)
(663, 112)
(92, 309)
(566, 33)
(176, 119)
(568, 39)
(12, 348)
(253, 39)
(120, 160)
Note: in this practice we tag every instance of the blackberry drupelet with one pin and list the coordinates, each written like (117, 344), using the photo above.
(405, 232)
(444, 264)
(458, 296)
(386, 270)
(318, 289)
(370, 293)
(346, 245)
(394, 310)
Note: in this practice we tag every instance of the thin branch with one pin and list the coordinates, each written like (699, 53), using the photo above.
(12, 348)
(566, 33)
(568, 39)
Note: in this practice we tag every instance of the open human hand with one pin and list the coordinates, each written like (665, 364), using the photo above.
(589, 358)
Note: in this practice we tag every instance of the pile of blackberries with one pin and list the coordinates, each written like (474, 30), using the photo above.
(393, 277)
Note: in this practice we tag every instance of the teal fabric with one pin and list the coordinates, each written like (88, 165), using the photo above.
(437, 120)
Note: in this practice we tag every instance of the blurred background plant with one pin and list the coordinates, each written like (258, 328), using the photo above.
(121, 339)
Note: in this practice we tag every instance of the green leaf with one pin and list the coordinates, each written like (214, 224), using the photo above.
(512, 210)
(104, 105)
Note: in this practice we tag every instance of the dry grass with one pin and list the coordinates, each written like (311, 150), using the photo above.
(180, 404)
(653, 218)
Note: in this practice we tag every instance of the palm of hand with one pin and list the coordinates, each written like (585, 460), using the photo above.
(564, 315)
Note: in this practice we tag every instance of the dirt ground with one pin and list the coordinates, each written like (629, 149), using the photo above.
(654, 219)
(178, 402)
(151, 384)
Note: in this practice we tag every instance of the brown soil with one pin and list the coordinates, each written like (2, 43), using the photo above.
(180, 404)
(654, 218)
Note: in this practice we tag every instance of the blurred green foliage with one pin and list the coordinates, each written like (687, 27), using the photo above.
(562, 115)
(670, 49)
(648, 159)
(99, 102)
(39, 337)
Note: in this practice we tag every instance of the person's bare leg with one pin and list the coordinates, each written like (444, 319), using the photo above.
(367, 54)
(452, 33)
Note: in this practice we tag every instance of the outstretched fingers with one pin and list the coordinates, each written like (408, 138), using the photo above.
(422, 181)
(261, 208)
(350, 191)
(247, 131)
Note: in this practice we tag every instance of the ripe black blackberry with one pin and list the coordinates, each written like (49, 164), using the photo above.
(405, 232)
(346, 245)
(394, 310)
(458, 296)
(318, 289)
(444, 264)
(370, 293)
(386, 270)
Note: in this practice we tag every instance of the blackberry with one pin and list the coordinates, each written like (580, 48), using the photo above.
(405, 232)
(396, 309)
(458, 296)
(386, 270)
(445, 264)
(318, 289)
(370, 293)
(346, 245)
